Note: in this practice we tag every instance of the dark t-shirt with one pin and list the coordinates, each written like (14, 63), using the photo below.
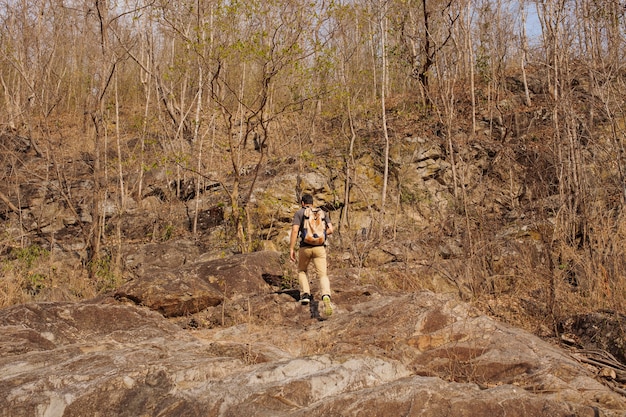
(298, 218)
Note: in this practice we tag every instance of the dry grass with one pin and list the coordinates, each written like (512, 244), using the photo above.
(31, 274)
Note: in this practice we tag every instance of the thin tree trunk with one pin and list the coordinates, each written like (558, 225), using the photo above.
(470, 52)
(344, 221)
(524, 42)
(97, 116)
(145, 77)
(119, 149)
(198, 142)
(383, 88)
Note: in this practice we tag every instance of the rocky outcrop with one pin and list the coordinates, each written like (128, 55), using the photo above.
(176, 288)
(380, 354)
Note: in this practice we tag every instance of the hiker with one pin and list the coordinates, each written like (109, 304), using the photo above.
(312, 248)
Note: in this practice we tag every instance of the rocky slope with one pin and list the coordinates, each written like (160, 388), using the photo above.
(381, 353)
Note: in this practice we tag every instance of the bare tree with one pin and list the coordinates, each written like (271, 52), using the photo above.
(382, 24)
(425, 28)
(106, 61)
(247, 76)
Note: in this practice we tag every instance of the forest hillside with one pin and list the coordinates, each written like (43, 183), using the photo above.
(461, 151)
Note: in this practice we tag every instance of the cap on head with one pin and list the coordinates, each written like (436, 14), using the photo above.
(307, 199)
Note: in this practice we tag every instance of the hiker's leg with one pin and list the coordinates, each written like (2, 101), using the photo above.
(304, 256)
(319, 261)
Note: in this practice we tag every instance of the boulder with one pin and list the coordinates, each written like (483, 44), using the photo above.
(180, 289)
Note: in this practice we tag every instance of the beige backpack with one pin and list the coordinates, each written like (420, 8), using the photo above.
(313, 230)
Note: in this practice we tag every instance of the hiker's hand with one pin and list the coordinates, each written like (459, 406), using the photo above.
(292, 255)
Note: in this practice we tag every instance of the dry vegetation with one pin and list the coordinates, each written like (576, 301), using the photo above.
(185, 92)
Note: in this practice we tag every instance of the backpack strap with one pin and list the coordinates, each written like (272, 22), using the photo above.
(301, 231)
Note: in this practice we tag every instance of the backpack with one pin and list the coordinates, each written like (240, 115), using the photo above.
(313, 230)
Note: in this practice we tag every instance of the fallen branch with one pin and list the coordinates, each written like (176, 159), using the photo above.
(6, 200)
(604, 362)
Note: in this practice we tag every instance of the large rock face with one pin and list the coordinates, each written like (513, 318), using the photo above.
(380, 354)
(176, 288)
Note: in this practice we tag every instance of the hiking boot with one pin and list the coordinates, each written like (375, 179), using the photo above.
(305, 299)
(328, 307)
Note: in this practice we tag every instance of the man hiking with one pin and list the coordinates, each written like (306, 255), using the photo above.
(312, 225)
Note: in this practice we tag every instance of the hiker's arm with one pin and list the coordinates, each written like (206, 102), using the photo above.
(292, 241)
(329, 225)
